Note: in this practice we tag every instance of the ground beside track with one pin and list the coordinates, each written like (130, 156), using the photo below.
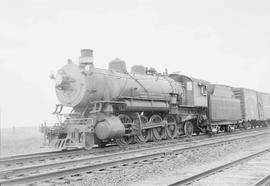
(250, 172)
(21, 140)
(179, 167)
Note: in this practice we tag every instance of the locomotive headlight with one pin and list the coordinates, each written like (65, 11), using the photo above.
(64, 82)
(58, 79)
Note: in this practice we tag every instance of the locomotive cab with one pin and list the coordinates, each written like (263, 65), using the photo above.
(195, 90)
(193, 109)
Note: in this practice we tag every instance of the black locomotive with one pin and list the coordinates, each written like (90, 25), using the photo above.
(116, 106)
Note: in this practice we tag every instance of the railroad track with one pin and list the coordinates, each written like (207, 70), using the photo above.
(61, 155)
(54, 156)
(250, 170)
(73, 169)
(264, 181)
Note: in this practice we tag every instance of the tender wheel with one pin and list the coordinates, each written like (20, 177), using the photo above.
(145, 133)
(188, 129)
(171, 129)
(158, 132)
(125, 140)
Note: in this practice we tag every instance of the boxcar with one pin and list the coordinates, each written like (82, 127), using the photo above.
(260, 101)
(264, 105)
(249, 103)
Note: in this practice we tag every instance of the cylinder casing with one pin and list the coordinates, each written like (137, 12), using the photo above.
(110, 128)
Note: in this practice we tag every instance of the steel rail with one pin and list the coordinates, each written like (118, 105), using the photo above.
(24, 169)
(218, 169)
(20, 160)
(38, 156)
(51, 154)
(87, 166)
(20, 156)
(263, 181)
(76, 170)
(60, 154)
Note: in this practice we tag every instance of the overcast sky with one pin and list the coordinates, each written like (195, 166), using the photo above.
(225, 42)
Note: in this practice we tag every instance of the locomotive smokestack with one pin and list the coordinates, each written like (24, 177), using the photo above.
(86, 58)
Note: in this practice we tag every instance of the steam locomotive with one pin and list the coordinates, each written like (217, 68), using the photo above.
(114, 106)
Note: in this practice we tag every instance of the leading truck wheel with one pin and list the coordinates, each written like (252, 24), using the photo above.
(125, 140)
(188, 129)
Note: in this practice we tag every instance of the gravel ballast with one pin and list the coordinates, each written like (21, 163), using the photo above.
(178, 167)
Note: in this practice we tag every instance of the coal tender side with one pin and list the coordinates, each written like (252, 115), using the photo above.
(224, 108)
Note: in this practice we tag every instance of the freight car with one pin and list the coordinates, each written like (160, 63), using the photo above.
(114, 106)
(263, 100)
(254, 106)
